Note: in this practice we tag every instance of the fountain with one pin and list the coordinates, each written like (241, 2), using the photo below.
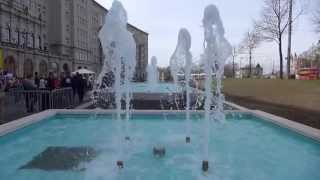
(96, 147)
(120, 50)
(119, 47)
(216, 51)
(181, 62)
(153, 74)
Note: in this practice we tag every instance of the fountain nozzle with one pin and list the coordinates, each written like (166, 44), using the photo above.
(159, 152)
(188, 140)
(120, 164)
(205, 166)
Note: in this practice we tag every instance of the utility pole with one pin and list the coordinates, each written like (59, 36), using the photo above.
(289, 39)
(250, 64)
(233, 63)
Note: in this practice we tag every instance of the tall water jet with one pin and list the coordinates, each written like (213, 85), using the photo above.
(153, 74)
(181, 63)
(120, 51)
(179, 58)
(216, 51)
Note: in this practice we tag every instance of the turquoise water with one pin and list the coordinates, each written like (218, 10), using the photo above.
(243, 148)
(157, 88)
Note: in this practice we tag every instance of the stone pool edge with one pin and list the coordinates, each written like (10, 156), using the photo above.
(285, 123)
(26, 121)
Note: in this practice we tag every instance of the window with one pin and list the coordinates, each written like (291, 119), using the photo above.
(140, 55)
(40, 41)
(18, 36)
(33, 40)
(8, 34)
(0, 33)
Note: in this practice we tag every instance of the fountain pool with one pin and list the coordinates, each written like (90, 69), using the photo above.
(244, 147)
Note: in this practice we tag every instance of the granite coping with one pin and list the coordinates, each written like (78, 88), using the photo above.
(26, 121)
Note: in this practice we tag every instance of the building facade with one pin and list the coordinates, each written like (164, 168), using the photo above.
(75, 25)
(23, 37)
(58, 36)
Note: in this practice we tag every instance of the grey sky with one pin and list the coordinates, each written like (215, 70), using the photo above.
(162, 19)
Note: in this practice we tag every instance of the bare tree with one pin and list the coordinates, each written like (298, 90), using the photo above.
(249, 44)
(229, 70)
(275, 19)
(274, 23)
(316, 18)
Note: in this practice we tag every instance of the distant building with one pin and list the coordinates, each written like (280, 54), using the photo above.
(307, 65)
(24, 37)
(58, 36)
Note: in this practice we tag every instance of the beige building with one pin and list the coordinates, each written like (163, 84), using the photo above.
(23, 36)
(58, 36)
(75, 24)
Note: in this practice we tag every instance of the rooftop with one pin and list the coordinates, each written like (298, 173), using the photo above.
(130, 25)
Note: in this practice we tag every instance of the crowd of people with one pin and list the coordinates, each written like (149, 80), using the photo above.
(78, 82)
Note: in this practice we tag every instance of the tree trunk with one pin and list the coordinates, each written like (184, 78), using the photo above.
(233, 68)
(289, 40)
(250, 63)
(281, 58)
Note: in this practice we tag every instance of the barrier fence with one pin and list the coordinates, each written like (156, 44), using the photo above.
(18, 102)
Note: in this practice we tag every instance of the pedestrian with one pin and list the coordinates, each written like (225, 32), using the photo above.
(81, 88)
(36, 79)
(67, 81)
(29, 86)
(75, 84)
(43, 87)
(42, 83)
(57, 83)
(51, 84)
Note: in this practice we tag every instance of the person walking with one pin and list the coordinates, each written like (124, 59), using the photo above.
(81, 88)
(67, 81)
(36, 79)
(75, 84)
(43, 87)
(51, 81)
(29, 86)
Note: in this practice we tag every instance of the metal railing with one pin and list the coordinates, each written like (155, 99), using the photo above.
(61, 98)
(18, 102)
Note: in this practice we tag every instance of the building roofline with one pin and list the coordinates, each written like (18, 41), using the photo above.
(130, 25)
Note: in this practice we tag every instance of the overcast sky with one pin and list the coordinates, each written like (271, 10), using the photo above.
(162, 19)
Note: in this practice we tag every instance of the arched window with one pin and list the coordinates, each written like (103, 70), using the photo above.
(66, 68)
(28, 68)
(10, 65)
(54, 67)
(43, 69)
